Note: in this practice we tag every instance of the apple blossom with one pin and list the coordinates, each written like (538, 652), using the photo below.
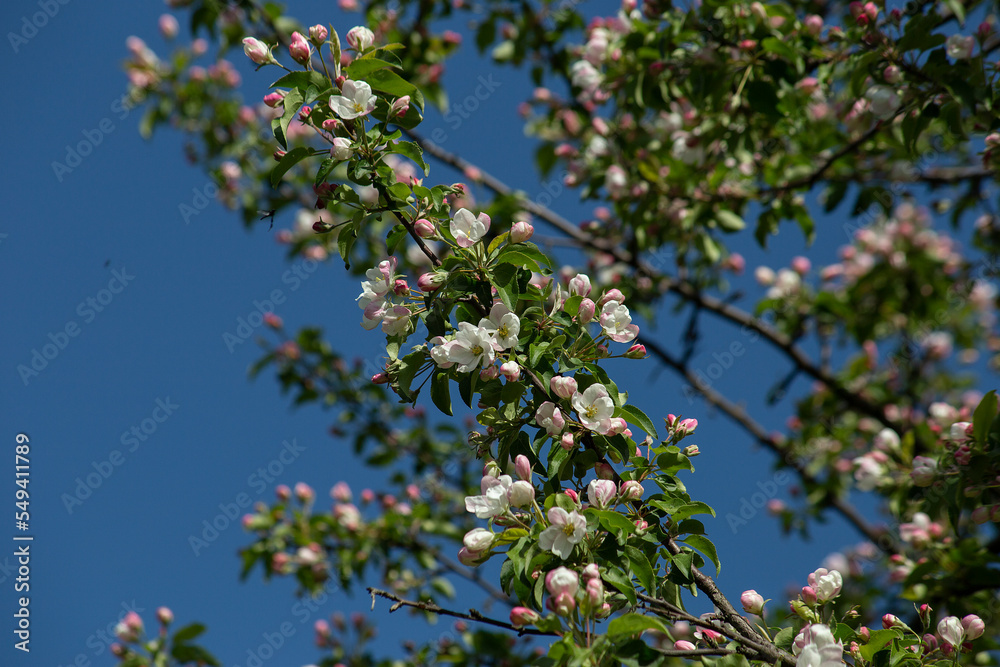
(567, 530)
(579, 285)
(274, 99)
(424, 228)
(522, 616)
(816, 646)
(959, 47)
(165, 616)
(360, 37)
(601, 493)
(586, 311)
(521, 493)
(884, 101)
(613, 294)
(594, 407)
(562, 580)
(868, 473)
(684, 645)
(468, 229)
(471, 348)
(566, 442)
(318, 33)
(478, 539)
(753, 602)
(826, 583)
(510, 370)
(356, 100)
(399, 106)
(550, 417)
(521, 232)
(470, 558)
(974, 627)
(617, 323)
(523, 467)
(562, 386)
(637, 351)
(342, 148)
(503, 326)
(494, 500)
(304, 492)
(632, 490)
(396, 321)
(951, 630)
(299, 48)
(257, 51)
(430, 282)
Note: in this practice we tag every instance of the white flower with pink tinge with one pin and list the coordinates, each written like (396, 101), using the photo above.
(595, 407)
(356, 100)
(617, 322)
(567, 530)
(467, 228)
(494, 501)
(373, 292)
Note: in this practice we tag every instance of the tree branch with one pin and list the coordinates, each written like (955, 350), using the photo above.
(472, 615)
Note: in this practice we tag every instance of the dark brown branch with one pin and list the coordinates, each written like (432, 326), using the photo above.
(682, 288)
(472, 614)
(877, 536)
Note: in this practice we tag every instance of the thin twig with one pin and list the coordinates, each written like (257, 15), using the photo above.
(472, 614)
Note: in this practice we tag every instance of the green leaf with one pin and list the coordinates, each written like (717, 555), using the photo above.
(982, 418)
(779, 48)
(291, 103)
(763, 99)
(361, 67)
(412, 151)
(411, 363)
(691, 508)
(619, 580)
(614, 522)
(324, 170)
(729, 221)
(631, 624)
(505, 280)
(441, 392)
(878, 641)
(705, 546)
(518, 258)
(641, 568)
(188, 632)
(387, 81)
(639, 418)
(393, 238)
(784, 639)
(289, 160)
(303, 80)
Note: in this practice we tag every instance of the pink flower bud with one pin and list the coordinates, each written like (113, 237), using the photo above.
(592, 571)
(331, 124)
(523, 467)
(273, 321)
(168, 26)
(586, 312)
(304, 492)
(562, 386)
(341, 492)
(299, 48)
(801, 265)
(691, 451)
(522, 616)
(521, 493)
(637, 351)
(274, 99)
(604, 470)
(613, 294)
(304, 113)
(489, 373)
(890, 621)
(380, 378)
(521, 232)
(632, 490)
(974, 627)
(400, 288)
(641, 525)
(430, 282)
(601, 493)
(511, 371)
(342, 148)
(257, 51)
(318, 33)
(278, 154)
(424, 228)
(753, 602)
(400, 106)
(470, 558)
(164, 615)
(360, 37)
(566, 442)
(808, 595)
(930, 642)
(572, 494)
(282, 492)
(684, 645)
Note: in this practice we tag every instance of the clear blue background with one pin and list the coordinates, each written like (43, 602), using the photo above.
(127, 545)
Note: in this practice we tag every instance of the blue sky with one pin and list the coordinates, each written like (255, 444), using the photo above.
(140, 394)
